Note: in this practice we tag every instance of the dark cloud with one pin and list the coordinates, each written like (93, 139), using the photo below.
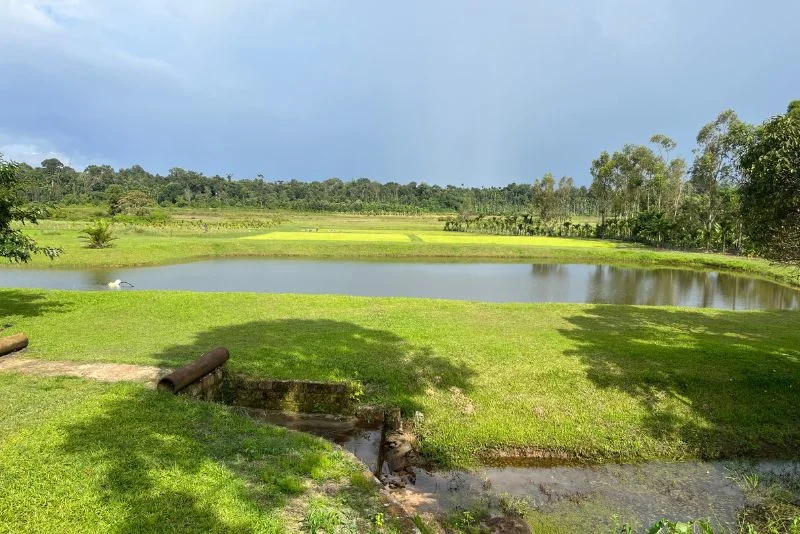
(447, 92)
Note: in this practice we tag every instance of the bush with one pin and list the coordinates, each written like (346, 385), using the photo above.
(99, 235)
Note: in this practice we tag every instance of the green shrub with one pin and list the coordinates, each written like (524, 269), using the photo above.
(99, 235)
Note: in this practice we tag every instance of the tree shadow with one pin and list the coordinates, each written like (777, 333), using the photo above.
(26, 303)
(172, 464)
(720, 385)
(392, 370)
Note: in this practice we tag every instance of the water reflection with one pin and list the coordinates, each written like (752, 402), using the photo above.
(702, 289)
(493, 282)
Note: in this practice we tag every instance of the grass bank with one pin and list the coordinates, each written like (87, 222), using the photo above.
(603, 382)
(140, 246)
(78, 456)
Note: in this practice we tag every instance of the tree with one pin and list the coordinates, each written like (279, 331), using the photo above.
(15, 245)
(135, 203)
(114, 193)
(770, 193)
(719, 146)
(545, 200)
(602, 184)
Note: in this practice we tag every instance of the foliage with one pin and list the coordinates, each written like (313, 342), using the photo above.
(720, 144)
(771, 189)
(14, 244)
(99, 235)
(681, 527)
(135, 203)
(181, 188)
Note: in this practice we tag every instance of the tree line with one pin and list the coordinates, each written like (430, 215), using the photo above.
(54, 182)
(740, 194)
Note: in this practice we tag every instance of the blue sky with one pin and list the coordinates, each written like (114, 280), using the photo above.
(459, 91)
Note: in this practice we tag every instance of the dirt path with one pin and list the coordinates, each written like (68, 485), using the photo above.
(106, 372)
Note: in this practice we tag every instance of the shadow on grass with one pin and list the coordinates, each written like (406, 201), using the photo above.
(724, 384)
(15, 303)
(391, 369)
(177, 465)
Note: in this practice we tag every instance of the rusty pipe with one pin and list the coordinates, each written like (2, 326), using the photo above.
(13, 343)
(188, 374)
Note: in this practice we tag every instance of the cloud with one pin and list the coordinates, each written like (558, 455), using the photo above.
(34, 151)
(446, 91)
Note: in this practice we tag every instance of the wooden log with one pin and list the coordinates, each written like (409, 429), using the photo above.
(13, 343)
(180, 378)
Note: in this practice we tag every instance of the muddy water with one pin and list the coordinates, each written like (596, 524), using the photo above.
(574, 497)
(584, 496)
(487, 282)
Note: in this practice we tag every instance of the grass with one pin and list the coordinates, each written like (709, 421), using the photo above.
(377, 237)
(537, 241)
(78, 456)
(601, 382)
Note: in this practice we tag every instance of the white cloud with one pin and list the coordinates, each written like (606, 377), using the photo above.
(33, 151)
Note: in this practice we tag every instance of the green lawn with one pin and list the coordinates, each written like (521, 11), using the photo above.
(79, 456)
(601, 382)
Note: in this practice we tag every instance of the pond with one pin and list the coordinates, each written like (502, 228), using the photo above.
(489, 282)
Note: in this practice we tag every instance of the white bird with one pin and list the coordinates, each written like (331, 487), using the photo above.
(117, 284)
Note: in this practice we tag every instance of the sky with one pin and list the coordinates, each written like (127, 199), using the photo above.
(448, 92)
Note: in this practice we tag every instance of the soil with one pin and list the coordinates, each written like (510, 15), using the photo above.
(105, 372)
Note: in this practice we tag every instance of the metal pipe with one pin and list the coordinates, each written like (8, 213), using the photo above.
(180, 378)
(13, 343)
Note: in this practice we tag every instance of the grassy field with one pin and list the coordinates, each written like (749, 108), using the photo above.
(599, 382)
(235, 234)
(80, 456)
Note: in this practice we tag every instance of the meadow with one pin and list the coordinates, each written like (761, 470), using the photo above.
(595, 382)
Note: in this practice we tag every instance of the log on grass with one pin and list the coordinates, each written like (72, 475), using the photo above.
(13, 343)
(187, 375)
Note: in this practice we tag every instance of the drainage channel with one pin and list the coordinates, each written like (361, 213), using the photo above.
(578, 497)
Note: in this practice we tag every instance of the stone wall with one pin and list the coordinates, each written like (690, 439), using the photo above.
(209, 388)
(289, 395)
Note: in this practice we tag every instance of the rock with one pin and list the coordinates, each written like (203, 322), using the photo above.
(419, 417)
(393, 481)
(403, 449)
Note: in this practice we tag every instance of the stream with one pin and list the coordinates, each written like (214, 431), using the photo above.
(584, 497)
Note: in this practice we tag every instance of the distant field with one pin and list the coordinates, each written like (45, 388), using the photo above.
(456, 237)
(431, 237)
(327, 235)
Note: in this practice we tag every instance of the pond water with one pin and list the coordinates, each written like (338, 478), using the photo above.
(489, 282)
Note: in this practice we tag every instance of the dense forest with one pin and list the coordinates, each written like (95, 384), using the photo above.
(53, 182)
(738, 193)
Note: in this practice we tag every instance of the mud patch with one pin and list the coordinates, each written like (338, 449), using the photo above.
(104, 372)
